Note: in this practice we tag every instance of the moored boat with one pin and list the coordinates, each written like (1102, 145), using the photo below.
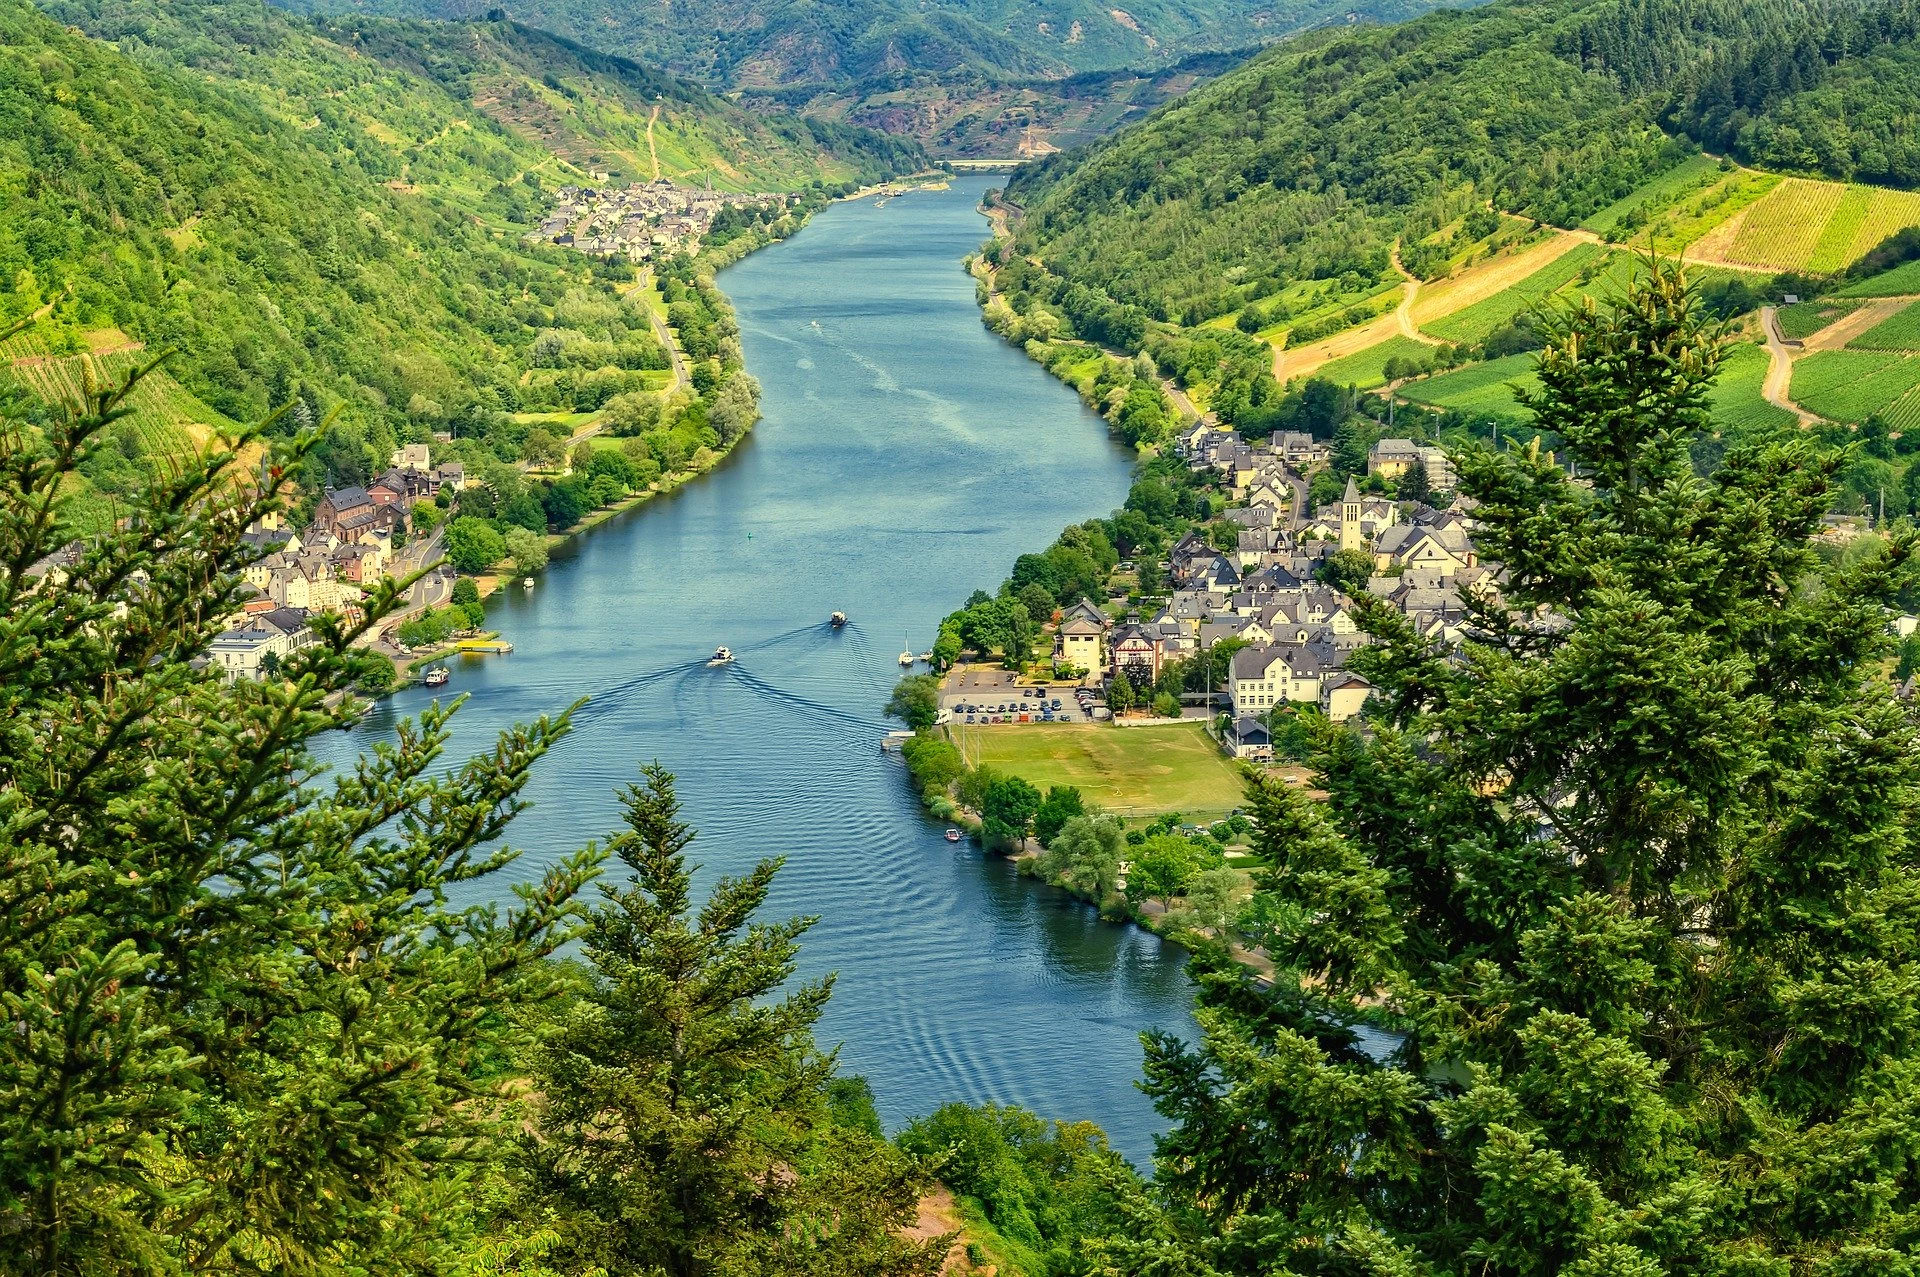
(437, 676)
(953, 835)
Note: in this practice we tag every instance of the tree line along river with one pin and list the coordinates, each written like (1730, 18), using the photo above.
(907, 456)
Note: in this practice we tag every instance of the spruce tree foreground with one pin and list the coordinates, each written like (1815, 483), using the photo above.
(245, 1031)
(1630, 878)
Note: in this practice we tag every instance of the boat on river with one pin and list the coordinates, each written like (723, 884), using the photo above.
(906, 656)
(953, 835)
(721, 656)
(437, 676)
(837, 620)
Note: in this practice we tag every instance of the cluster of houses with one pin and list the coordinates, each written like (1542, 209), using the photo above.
(350, 543)
(1293, 634)
(641, 222)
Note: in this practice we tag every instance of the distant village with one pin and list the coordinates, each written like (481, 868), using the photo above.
(1297, 631)
(356, 538)
(641, 222)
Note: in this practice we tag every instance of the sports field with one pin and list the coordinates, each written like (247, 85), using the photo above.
(1134, 771)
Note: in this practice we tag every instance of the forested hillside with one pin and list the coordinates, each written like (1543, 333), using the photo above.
(1310, 160)
(972, 77)
(308, 222)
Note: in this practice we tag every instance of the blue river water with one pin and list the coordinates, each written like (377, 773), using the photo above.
(906, 458)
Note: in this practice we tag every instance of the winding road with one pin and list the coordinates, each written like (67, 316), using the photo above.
(1780, 370)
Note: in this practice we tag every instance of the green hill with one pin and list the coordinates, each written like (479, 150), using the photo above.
(332, 216)
(1308, 161)
(968, 77)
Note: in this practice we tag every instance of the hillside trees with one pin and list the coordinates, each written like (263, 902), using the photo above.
(246, 1029)
(1629, 880)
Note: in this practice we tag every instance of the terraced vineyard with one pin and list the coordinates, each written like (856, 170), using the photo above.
(1802, 224)
(1900, 332)
(169, 418)
(1852, 385)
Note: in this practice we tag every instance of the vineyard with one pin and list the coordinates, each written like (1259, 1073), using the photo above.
(1479, 389)
(1696, 174)
(1803, 319)
(1475, 322)
(168, 418)
(1900, 332)
(1850, 385)
(1803, 224)
(1736, 400)
(1784, 229)
(1367, 368)
(1901, 281)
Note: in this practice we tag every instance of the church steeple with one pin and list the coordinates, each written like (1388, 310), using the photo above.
(1351, 537)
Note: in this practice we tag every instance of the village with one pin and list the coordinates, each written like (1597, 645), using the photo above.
(356, 537)
(643, 222)
(1267, 601)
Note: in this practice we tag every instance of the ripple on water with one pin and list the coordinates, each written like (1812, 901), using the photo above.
(957, 979)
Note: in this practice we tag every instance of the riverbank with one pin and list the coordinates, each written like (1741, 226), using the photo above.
(904, 450)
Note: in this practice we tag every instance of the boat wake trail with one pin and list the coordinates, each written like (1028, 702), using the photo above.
(795, 701)
(788, 637)
(624, 691)
(862, 653)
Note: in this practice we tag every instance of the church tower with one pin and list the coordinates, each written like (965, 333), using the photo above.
(1351, 537)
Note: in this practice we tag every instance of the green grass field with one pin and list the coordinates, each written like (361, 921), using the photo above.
(1896, 332)
(1803, 319)
(1852, 385)
(1477, 388)
(1736, 400)
(1473, 323)
(1133, 771)
(1898, 282)
(1367, 368)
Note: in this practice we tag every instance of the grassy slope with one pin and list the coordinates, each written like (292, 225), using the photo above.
(1132, 771)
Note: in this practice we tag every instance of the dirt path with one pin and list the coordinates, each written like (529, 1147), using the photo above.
(1847, 327)
(1780, 370)
(1403, 315)
(1478, 283)
(1313, 356)
(655, 155)
(940, 1214)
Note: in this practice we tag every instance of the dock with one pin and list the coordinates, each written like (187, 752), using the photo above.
(495, 647)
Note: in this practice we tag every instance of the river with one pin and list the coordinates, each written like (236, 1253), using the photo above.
(907, 456)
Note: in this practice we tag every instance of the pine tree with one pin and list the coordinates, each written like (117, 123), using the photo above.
(246, 1031)
(1629, 878)
(684, 1119)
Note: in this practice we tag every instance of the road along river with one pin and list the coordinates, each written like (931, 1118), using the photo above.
(907, 456)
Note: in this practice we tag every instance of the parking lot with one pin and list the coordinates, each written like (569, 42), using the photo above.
(985, 696)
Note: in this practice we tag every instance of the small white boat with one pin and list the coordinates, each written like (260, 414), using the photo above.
(926, 658)
(953, 835)
(437, 676)
(527, 582)
(837, 620)
(906, 657)
(721, 656)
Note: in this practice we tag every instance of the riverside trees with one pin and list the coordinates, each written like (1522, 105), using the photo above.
(1633, 877)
